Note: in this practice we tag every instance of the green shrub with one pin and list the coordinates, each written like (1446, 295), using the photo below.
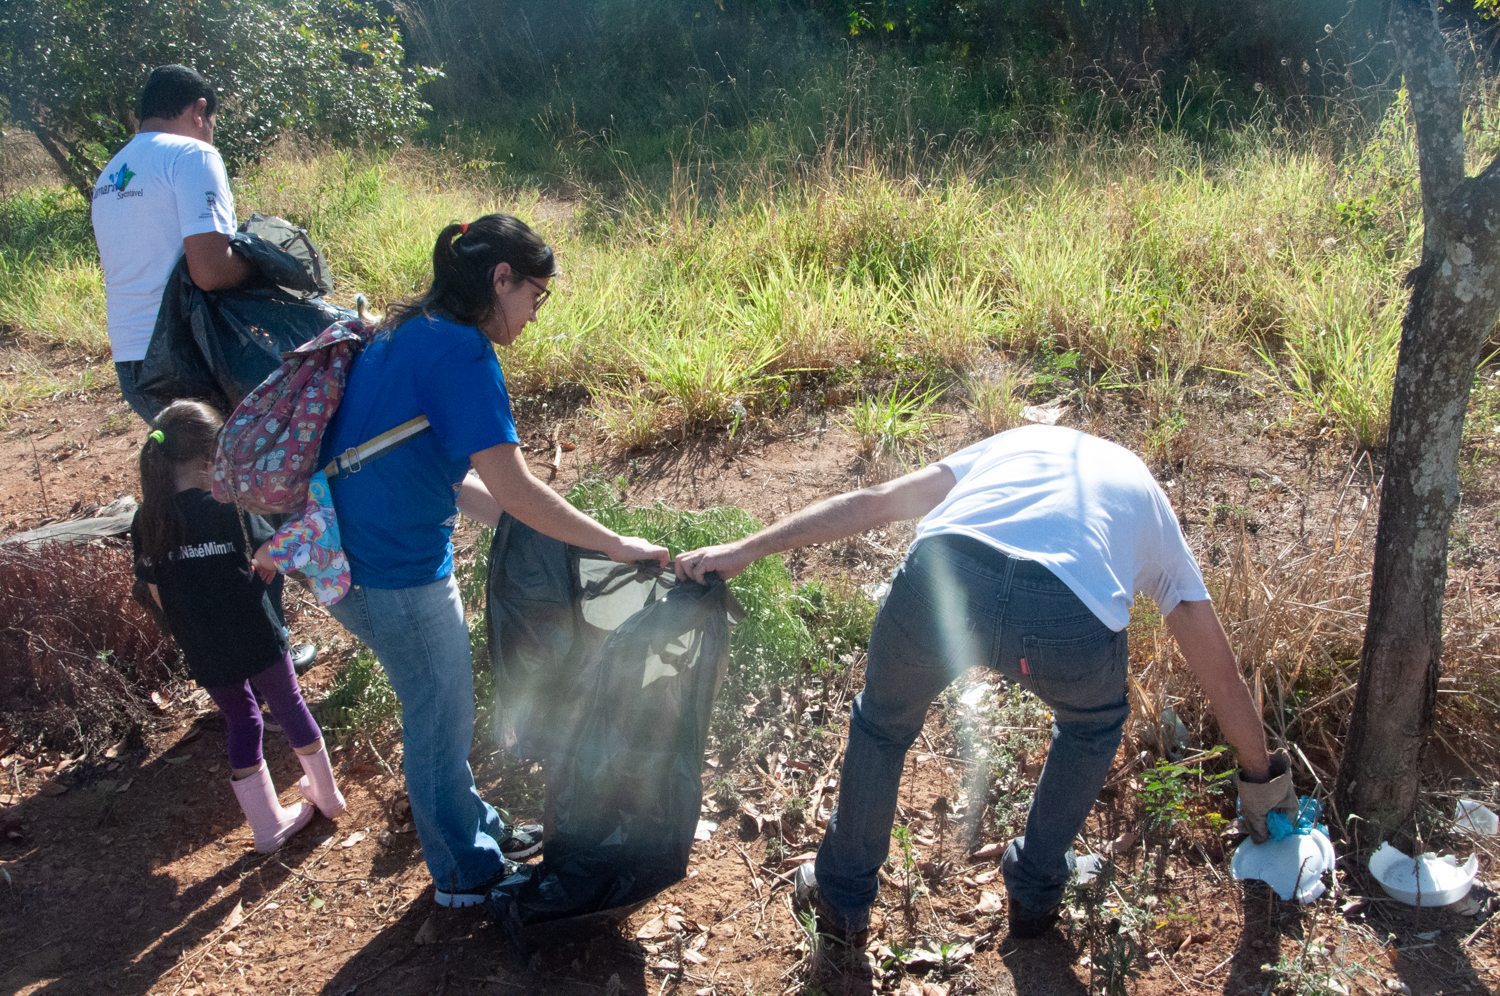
(362, 700)
(768, 646)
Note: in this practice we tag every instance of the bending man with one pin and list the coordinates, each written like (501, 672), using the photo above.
(1031, 548)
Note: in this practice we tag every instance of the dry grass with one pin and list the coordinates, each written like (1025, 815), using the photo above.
(82, 657)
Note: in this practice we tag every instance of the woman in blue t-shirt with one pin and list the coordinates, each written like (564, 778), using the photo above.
(435, 356)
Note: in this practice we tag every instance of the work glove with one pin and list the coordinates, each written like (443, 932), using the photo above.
(1259, 799)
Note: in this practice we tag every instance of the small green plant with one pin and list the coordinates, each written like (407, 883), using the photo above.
(1115, 961)
(902, 837)
(362, 700)
(892, 426)
(1165, 792)
(998, 403)
(628, 419)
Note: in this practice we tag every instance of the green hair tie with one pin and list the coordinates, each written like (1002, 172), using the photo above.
(158, 436)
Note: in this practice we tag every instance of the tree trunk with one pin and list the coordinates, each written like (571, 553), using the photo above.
(1454, 303)
(68, 162)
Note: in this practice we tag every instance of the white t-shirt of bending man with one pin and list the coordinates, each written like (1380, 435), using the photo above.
(1085, 508)
(154, 193)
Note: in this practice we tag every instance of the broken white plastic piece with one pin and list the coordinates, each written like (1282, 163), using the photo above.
(1292, 866)
(1475, 817)
(1425, 881)
(1045, 414)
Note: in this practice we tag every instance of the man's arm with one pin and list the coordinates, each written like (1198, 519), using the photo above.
(909, 497)
(511, 486)
(211, 263)
(1209, 656)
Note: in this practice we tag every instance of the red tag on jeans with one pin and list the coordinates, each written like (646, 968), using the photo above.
(1024, 668)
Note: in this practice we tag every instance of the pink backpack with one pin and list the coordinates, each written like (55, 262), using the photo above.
(268, 449)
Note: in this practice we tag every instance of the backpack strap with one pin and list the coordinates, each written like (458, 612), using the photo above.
(355, 457)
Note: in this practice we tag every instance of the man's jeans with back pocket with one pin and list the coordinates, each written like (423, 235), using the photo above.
(419, 636)
(956, 603)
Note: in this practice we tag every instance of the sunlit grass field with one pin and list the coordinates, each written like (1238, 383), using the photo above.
(1137, 258)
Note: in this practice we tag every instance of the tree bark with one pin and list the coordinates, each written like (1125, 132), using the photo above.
(1454, 302)
(67, 164)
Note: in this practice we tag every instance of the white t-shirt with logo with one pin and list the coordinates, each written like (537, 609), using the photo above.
(1086, 509)
(154, 193)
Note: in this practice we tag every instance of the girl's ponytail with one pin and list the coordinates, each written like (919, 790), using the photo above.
(184, 432)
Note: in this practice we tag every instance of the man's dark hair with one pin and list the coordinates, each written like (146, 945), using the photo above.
(170, 89)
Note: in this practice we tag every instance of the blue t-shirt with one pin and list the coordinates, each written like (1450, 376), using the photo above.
(397, 514)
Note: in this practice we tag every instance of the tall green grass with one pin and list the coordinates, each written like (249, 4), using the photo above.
(683, 304)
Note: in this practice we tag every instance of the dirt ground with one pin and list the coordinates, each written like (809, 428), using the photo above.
(133, 873)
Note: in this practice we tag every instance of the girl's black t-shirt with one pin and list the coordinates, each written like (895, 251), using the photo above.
(227, 621)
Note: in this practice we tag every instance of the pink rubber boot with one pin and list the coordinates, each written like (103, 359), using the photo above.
(272, 823)
(317, 785)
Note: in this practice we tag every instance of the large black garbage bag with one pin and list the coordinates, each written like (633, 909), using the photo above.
(219, 345)
(549, 609)
(624, 769)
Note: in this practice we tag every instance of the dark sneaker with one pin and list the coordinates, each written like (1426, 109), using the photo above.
(1026, 924)
(835, 939)
(524, 840)
(472, 897)
(304, 656)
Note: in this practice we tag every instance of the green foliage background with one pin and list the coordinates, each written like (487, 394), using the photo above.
(71, 71)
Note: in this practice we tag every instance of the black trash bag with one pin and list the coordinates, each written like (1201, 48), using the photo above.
(313, 277)
(624, 772)
(219, 345)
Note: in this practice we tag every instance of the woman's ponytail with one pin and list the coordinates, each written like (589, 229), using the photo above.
(464, 258)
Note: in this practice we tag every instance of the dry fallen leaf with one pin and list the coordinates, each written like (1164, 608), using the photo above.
(234, 950)
(987, 853)
(653, 928)
(236, 916)
(1122, 843)
(989, 902)
(354, 838)
(54, 788)
(694, 957)
(986, 877)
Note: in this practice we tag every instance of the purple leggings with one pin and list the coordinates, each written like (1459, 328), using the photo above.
(278, 683)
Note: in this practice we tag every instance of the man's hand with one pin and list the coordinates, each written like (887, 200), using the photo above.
(1260, 799)
(632, 549)
(727, 560)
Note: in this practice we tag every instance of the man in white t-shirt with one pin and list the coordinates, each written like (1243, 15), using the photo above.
(165, 194)
(1031, 548)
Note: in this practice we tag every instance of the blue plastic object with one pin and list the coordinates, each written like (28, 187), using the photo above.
(1308, 811)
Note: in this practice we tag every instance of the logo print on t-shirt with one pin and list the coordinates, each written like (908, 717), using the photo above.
(211, 197)
(121, 178)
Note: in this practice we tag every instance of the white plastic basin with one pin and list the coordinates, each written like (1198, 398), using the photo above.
(1425, 881)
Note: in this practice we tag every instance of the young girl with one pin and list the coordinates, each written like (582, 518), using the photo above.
(226, 616)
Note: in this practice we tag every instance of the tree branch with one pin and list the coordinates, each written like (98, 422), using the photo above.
(1432, 84)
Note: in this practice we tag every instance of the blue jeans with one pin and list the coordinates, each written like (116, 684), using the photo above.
(421, 640)
(128, 373)
(956, 603)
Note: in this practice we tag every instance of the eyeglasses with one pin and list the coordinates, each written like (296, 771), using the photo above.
(542, 297)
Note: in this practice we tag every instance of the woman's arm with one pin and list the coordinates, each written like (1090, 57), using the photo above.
(475, 501)
(510, 486)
